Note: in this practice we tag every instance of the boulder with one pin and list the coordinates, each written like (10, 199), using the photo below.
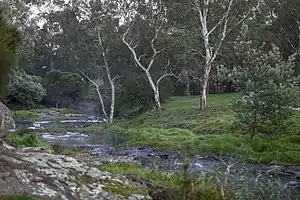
(37, 172)
(6, 121)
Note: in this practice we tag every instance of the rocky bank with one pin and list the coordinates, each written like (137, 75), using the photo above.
(39, 173)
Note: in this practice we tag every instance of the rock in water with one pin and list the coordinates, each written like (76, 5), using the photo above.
(6, 121)
(39, 173)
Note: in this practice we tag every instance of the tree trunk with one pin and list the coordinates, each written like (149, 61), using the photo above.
(112, 103)
(187, 89)
(203, 96)
(102, 104)
(157, 99)
(155, 91)
(204, 86)
(111, 81)
(57, 104)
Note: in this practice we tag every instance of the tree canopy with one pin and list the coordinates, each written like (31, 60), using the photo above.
(9, 40)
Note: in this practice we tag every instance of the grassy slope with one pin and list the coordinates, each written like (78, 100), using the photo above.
(182, 124)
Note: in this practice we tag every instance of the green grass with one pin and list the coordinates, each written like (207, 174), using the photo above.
(34, 114)
(114, 186)
(183, 112)
(25, 115)
(181, 124)
(27, 138)
(67, 151)
(169, 186)
(60, 128)
(125, 190)
(161, 178)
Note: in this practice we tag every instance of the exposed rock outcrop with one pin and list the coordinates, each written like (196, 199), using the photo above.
(6, 121)
(39, 173)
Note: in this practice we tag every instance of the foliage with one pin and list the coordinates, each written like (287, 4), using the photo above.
(62, 86)
(27, 138)
(170, 186)
(9, 39)
(169, 179)
(25, 115)
(58, 149)
(137, 96)
(269, 87)
(207, 132)
(24, 90)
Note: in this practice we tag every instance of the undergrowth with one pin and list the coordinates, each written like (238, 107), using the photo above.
(25, 115)
(226, 184)
(211, 131)
(169, 186)
(27, 138)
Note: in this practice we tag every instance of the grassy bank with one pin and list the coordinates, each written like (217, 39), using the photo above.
(170, 186)
(180, 124)
(35, 114)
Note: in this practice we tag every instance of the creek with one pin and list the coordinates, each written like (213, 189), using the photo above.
(102, 152)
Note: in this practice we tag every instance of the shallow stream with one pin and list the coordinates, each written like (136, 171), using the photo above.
(163, 160)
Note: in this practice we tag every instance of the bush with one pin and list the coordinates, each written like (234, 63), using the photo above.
(25, 115)
(24, 90)
(137, 95)
(9, 40)
(169, 186)
(27, 138)
(62, 87)
(269, 87)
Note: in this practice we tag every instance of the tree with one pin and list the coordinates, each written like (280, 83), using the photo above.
(63, 86)
(102, 24)
(149, 19)
(9, 40)
(213, 31)
(269, 87)
(24, 90)
(284, 29)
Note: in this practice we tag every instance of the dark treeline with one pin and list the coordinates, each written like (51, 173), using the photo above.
(78, 50)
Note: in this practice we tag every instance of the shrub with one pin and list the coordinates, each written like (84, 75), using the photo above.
(9, 40)
(62, 86)
(27, 138)
(169, 186)
(269, 88)
(25, 115)
(24, 90)
(137, 96)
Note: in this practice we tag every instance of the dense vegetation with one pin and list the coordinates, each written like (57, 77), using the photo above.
(145, 63)
(66, 68)
(212, 131)
(10, 38)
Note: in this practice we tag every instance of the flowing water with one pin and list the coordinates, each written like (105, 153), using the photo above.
(162, 160)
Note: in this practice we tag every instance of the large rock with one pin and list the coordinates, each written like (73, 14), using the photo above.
(49, 176)
(6, 121)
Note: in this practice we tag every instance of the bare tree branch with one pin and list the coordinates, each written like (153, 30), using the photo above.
(137, 61)
(287, 39)
(166, 73)
(98, 91)
(110, 79)
(226, 31)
